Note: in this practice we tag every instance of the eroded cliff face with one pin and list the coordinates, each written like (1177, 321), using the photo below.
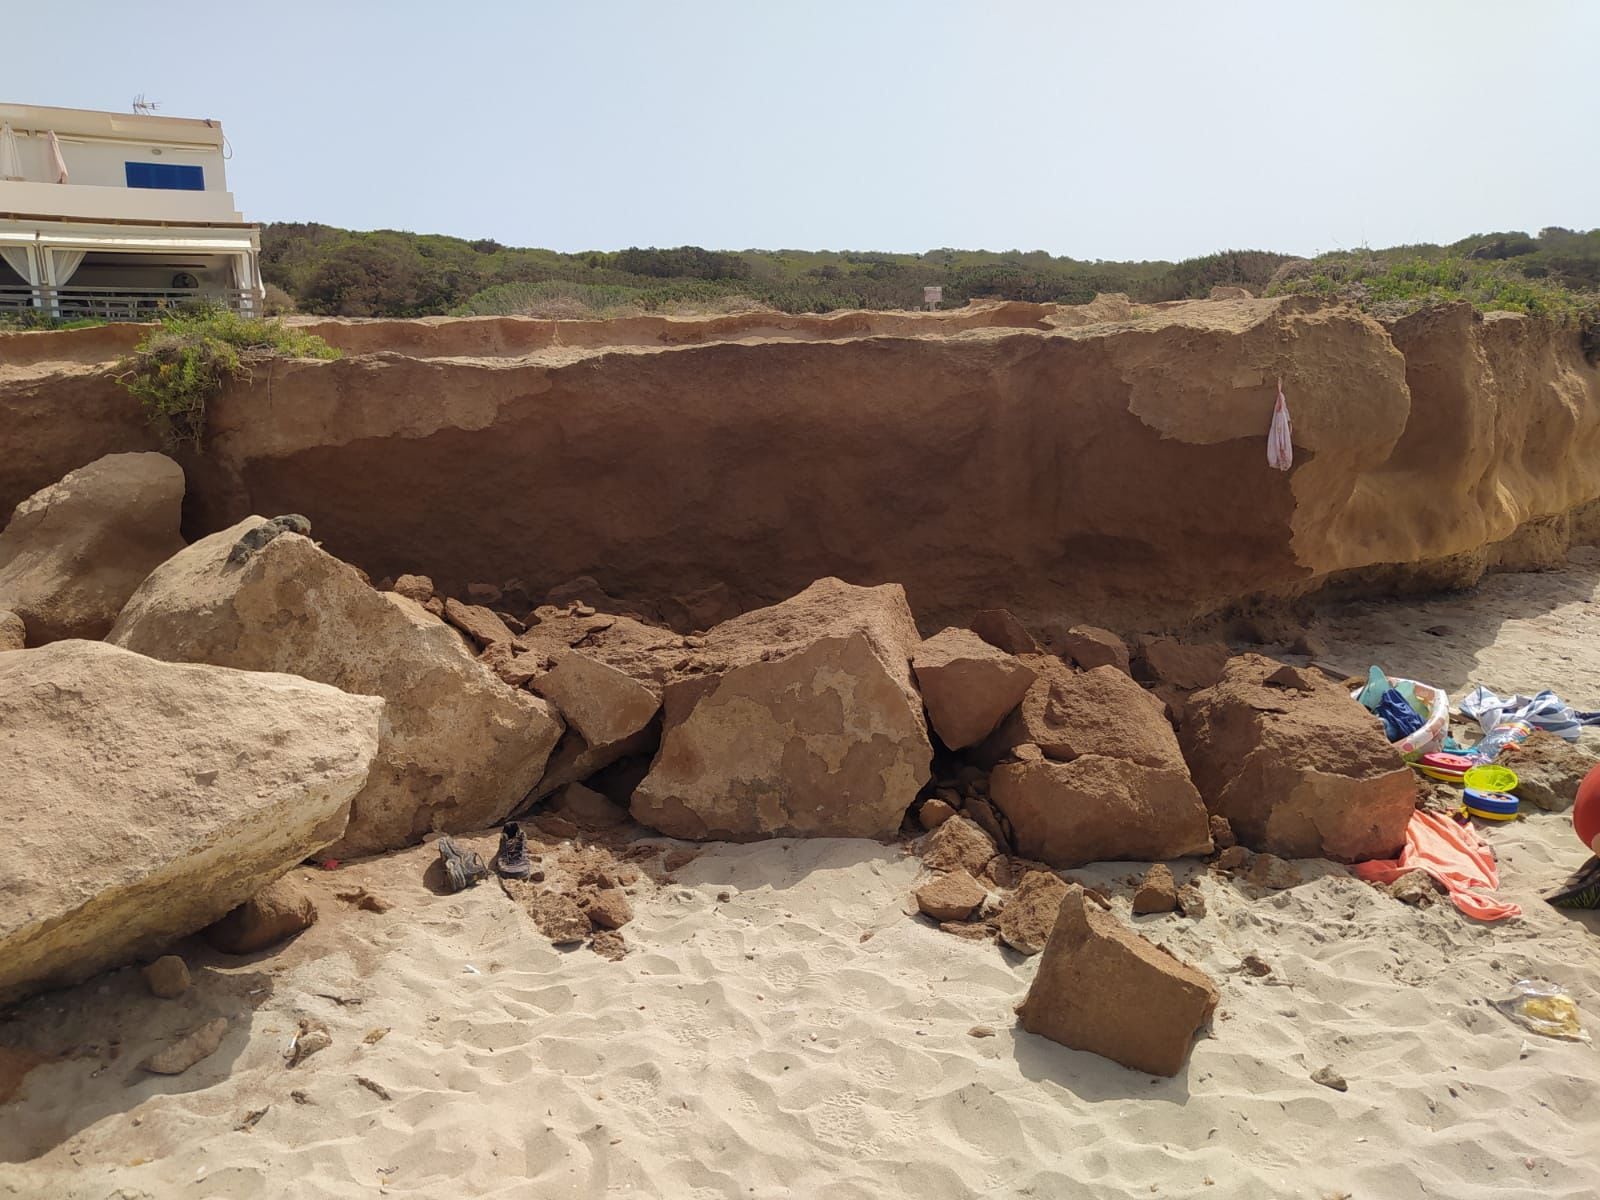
(1104, 462)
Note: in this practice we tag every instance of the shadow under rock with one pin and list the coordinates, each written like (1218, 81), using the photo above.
(1090, 1077)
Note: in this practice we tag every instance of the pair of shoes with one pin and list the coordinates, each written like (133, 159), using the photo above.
(512, 861)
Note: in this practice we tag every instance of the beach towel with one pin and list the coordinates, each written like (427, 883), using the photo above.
(1546, 711)
(1454, 855)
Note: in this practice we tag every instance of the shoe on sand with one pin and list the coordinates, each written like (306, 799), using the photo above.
(512, 861)
(462, 868)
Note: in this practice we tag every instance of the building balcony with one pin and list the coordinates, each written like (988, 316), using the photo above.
(121, 303)
(93, 202)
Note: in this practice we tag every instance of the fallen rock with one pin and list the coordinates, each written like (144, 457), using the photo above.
(1096, 808)
(802, 722)
(1299, 773)
(1414, 887)
(1232, 858)
(985, 816)
(1185, 665)
(1158, 893)
(167, 977)
(459, 750)
(587, 808)
(272, 915)
(952, 897)
(478, 623)
(1030, 913)
(1329, 1078)
(1256, 966)
(558, 916)
(609, 944)
(958, 844)
(1549, 770)
(1003, 631)
(1089, 646)
(1191, 900)
(13, 631)
(1069, 714)
(971, 931)
(968, 685)
(934, 813)
(1270, 871)
(414, 587)
(1221, 832)
(147, 799)
(1101, 987)
(74, 552)
(608, 908)
(602, 703)
(188, 1050)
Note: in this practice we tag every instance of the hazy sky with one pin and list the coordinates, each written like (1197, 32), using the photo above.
(1097, 130)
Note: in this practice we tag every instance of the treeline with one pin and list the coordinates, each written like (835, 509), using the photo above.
(321, 269)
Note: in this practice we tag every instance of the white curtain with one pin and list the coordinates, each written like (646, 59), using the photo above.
(66, 262)
(56, 161)
(10, 154)
(19, 260)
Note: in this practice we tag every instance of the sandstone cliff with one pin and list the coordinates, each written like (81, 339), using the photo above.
(1105, 462)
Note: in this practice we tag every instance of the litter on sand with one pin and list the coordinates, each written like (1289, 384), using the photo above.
(1544, 1008)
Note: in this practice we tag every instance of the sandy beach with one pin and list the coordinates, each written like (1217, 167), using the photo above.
(781, 1027)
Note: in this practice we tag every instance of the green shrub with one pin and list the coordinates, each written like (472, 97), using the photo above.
(192, 355)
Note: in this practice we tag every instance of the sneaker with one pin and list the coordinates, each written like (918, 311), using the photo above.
(513, 861)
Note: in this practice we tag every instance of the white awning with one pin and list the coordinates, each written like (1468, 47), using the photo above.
(134, 243)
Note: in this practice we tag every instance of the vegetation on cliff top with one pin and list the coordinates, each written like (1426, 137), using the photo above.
(191, 355)
(321, 269)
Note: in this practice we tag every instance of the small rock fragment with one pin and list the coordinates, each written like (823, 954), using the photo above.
(1329, 1078)
(981, 1031)
(934, 813)
(274, 914)
(365, 900)
(609, 909)
(972, 931)
(13, 633)
(1253, 964)
(1030, 914)
(951, 897)
(1270, 871)
(313, 1036)
(1158, 893)
(1221, 832)
(1231, 859)
(188, 1050)
(167, 977)
(415, 587)
(1191, 900)
(609, 944)
(1414, 887)
(957, 844)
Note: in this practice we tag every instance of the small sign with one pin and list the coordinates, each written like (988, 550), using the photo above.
(932, 296)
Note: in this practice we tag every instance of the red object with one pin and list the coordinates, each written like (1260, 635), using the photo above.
(1586, 811)
(1448, 762)
(330, 864)
(1454, 855)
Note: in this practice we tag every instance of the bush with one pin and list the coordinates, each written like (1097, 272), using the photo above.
(192, 355)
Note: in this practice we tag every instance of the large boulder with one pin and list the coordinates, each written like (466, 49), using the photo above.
(968, 685)
(460, 749)
(799, 719)
(1297, 767)
(1097, 808)
(1101, 987)
(1548, 769)
(142, 800)
(1088, 769)
(75, 551)
(609, 716)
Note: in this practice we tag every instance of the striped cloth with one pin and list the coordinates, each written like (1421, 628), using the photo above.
(1546, 711)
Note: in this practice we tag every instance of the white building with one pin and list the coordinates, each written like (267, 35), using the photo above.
(116, 215)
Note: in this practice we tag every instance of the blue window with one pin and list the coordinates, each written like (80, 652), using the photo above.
(173, 176)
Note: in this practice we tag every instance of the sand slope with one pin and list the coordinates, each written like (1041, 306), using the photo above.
(804, 1037)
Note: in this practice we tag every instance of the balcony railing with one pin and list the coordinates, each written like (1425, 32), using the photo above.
(120, 303)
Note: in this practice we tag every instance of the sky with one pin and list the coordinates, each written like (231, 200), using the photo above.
(1139, 129)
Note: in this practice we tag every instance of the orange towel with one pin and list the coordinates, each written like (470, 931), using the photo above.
(1454, 855)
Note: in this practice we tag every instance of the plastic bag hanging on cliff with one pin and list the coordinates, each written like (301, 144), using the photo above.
(1280, 443)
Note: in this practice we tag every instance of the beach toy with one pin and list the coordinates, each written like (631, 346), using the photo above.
(1491, 806)
(1434, 730)
(1487, 778)
(1586, 811)
(1440, 760)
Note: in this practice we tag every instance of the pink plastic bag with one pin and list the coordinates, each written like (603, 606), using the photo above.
(1280, 442)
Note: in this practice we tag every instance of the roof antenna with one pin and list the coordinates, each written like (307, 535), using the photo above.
(145, 107)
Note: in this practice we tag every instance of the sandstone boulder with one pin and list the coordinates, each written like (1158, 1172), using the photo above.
(957, 843)
(802, 720)
(1101, 987)
(968, 685)
(75, 551)
(478, 623)
(609, 715)
(934, 813)
(277, 912)
(1089, 646)
(459, 750)
(1301, 771)
(1030, 913)
(952, 897)
(587, 808)
(1184, 665)
(1068, 714)
(414, 587)
(167, 977)
(143, 800)
(1003, 631)
(1096, 808)
(1158, 892)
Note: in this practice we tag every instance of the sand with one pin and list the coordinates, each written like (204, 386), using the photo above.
(804, 1037)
